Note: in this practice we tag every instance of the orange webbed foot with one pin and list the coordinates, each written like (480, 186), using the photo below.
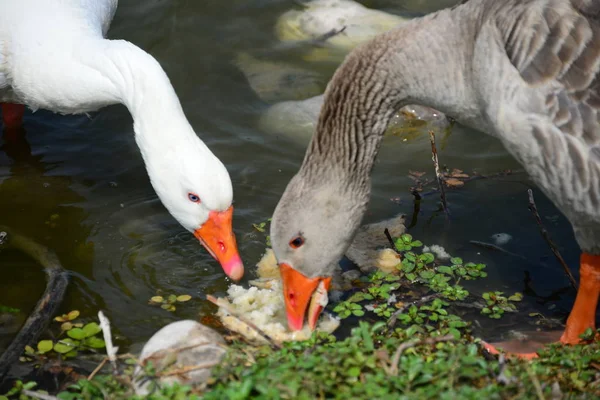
(582, 316)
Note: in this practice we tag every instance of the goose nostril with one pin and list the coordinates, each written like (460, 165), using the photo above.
(292, 299)
(221, 246)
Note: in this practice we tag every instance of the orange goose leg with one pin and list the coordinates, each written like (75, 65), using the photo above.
(583, 314)
(12, 118)
(12, 114)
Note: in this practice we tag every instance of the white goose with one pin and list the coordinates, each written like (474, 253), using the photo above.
(53, 55)
(525, 71)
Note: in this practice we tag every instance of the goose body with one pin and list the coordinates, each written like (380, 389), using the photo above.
(54, 56)
(524, 71)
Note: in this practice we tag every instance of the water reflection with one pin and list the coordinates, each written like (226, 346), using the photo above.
(79, 185)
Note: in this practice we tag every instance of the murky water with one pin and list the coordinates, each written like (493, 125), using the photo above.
(81, 188)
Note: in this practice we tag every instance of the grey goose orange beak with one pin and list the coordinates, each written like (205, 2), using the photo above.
(216, 235)
(298, 292)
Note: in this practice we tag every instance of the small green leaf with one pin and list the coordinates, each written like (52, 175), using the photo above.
(71, 354)
(456, 260)
(535, 314)
(427, 274)
(444, 269)
(427, 258)
(65, 326)
(76, 333)
(354, 371)
(454, 332)
(486, 296)
(516, 297)
(73, 315)
(416, 243)
(260, 227)
(66, 345)
(91, 329)
(183, 298)
(95, 342)
(156, 299)
(44, 346)
(408, 267)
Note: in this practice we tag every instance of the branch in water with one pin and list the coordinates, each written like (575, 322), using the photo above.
(416, 209)
(422, 300)
(47, 305)
(546, 237)
(438, 174)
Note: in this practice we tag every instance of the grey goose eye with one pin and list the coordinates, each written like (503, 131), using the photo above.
(297, 242)
(194, 198)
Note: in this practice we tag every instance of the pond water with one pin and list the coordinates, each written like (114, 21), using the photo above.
(81, 189)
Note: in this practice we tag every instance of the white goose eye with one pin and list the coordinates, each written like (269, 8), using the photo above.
(194, 198)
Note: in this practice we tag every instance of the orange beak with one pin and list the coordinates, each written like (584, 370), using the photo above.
(216, 235)
(298, 291)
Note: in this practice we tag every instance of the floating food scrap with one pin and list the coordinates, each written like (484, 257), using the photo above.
(265, 308)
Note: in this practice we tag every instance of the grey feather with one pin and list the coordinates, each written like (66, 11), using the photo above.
(525, 71)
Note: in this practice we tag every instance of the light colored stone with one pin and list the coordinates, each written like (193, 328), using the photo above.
(179, 347)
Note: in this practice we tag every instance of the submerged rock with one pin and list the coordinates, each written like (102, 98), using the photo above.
(184, 352)
(370, 251)
(320, 17)
(297, 120)
(500, 239)
(275, 81)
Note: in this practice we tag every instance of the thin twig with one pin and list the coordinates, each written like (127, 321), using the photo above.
(38, 395)
(111, 350)
(546, 237)
(502, 378)
(97, 369)
(389, 238)
(405, 307)
(535, 381)
(187, 369)
(273, 342)
(438, 174)
(328, 35)
(416, 208)
(491, 246)
(475, 177)
(393, 370)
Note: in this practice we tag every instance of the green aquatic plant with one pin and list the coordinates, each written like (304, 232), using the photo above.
(168, 302)
(415, 348)
(497, 304)
(262, 228)
(348, 308)
(406, 243)
(10, 310)
(73, 338)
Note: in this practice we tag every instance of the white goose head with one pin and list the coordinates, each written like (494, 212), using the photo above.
(195, 187)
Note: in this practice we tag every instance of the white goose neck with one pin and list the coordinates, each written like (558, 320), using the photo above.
(171, 149)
